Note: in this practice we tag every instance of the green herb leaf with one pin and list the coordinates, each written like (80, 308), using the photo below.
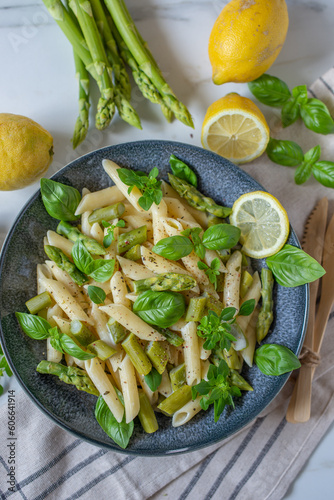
(149, 186)
(173, 247)
(291, 266)
(160, 308)
(304, 171)
(274, 359)
(290, 112)
(72, 348)
(270, 90)
(81, 257)
(60, 201)
(34, 326)
(316, 117)
(55, 336)
(194, 233)
(216, 329)
(96, 294)
(221, 236)
(212, 272)
(286, 153)
(182, 171)
(247, 308)
(101, 270)
(323, 171)
(110, 236)
(121, 432)
(153, 379)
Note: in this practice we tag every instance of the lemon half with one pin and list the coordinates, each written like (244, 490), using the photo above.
(235, 128)
(263, 222)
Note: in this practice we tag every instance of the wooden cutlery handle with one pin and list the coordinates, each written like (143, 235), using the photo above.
(299, 409)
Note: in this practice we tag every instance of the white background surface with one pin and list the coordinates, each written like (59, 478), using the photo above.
(37, 80)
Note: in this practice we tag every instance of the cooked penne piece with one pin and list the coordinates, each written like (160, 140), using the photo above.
(160, 265)
(177, 210)
(203, 353)
(119, 290)
(187, 412)
(60, 242)
(191, 353)
(111, 168)
(205, 365)
(112, 249)
(105, 387)
(133, 270)
(64, 278)
(152, 395)
(132, 322)
(250, 333)
(165, 388)
(85, 226)
(99, 199)
(232, 281)
(97, 233)
(158, 212)
(51, 353)
(129, 389)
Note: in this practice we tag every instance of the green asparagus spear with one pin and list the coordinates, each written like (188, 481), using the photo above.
(82, 123)
(146, 414)
(131, 238)
(265, 317)
(245, 283)
(157, 354)
(39, 302)
(106, 106)
(239, 381)
(214, 305)
(145, 61)
(196, 307)
(107, 213)
(176, 400)
(69, 375)
(116, 330)
(64, 263)
(213, 220)
(135, 352)
(73, 234)
(169, 281)
(134, 253)
(81, 332)
(197, 199)
(170, 336)
(224, 254)
(178, 376)
(232, 359)
(101, 349)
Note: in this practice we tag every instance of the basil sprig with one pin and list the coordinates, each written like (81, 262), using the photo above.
(217, 237)
(60, 201)
(99, 269)
(291, 267)
(149, 186)
(109, 237)
(153, 379)
(289, 154)
(160, 308)
(182, 171)
(275, 359)
(211, 271)
(119, 432)
(272, 91)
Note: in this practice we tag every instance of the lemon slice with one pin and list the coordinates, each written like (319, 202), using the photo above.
(263, 223)
(235, 128)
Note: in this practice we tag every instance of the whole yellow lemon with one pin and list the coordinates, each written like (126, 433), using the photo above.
(246, 39)
(26, 151)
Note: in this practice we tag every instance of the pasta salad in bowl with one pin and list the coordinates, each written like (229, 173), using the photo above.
(135, 313)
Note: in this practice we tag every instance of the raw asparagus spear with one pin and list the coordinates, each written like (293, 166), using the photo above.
(73, 234)
(265, 317)
(69, 375)
(197, 199)
(64, 263)
(82, 123)
(169, 281)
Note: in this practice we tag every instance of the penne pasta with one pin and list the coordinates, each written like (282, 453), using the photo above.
(60, 242)
(119, 290)
(191, 353)
(133, 270)
(158, 212)
(186, 413)
(129, 389)
(231, 290)
(99, 199)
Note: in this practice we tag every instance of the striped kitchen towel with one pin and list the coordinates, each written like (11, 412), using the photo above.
(259, 462)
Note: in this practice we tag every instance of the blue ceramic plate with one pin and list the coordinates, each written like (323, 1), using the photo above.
(74, 410)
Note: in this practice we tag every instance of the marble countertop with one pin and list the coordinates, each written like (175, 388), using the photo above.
(37, 80)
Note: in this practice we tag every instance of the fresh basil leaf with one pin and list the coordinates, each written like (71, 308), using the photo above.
(270, 90)
(131, 178)
(119, 432)
(202, 266)
(173, 247)
(316, 117)
(323, 171)
(60, 201)
(221, 236)
(160, 308)
(81, 257)
(303, 173)
(101, 270)
(291, 266)
(286, 153)
(73, 349)
(215, 264)
(182, 171)
(55, 336)
(300, 93)
(227, 314)
(96, 294)
(33, 326)
(108, 239)
(290, 112)
(145, 202)
(153, 379)
(274, 359)
(247, 308)
(313, 154)
(154, 173)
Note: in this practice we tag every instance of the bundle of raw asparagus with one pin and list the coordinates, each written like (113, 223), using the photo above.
(105, 40)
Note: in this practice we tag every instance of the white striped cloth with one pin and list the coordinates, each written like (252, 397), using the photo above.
(259, 462)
